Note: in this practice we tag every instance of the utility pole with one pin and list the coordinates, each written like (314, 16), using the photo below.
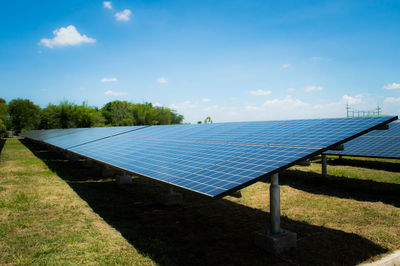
(378, 109)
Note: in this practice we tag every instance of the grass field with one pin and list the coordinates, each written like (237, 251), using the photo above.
(53, 211)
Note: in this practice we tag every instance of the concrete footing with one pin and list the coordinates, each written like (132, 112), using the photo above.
(305, 163)
(123, 179)
(236, 194)
(276, 243)
(172, 198)
(107, 171)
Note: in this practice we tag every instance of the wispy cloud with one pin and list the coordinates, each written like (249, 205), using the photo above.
(115, 93)
(313, 88)
(316, 58)
(205, 100)
(260, 92)
(286, 65)
(393, 86)
(124, 15)
(108, 80)
(107, 4)
(392, 100)
(162, 80)
(290, 89)
(66, 36)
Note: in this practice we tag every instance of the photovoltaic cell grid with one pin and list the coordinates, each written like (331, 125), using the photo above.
(377, 143)
(219, 158)
(211, 159)
(67, 138)
(44, 135)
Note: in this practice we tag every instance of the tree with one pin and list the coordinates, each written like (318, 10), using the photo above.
(70, 115)
(208, 120)
(123, 113)
(3, 116)
(86, 116)
(118, 113)
(24, 115)
(50, 117)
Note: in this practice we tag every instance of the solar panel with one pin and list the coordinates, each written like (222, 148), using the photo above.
(44, 135)
(217, 159)
(88, 135)
(378, 143)
(66, 138)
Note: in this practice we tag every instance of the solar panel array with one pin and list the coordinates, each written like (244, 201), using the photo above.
(377, 143)
(211, 159)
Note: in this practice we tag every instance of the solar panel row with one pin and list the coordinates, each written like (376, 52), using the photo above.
(211, 159)
(378, 143)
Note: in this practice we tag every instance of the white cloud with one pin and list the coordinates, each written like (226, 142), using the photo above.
(286, 65)
(288, 100)
(66, 36)
(288, 107)
(312, 88)
(124, 15)
(393, 86)
(290, 89)
(352, 100)
(115, 93)
(162, 80)
(108, 80)
(157, 104)
(205, 100)
(260, 92)
(392, 100)
(107, 4)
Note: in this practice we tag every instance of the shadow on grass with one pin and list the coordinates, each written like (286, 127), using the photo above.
(203, 231)
(359, 162)
(343, 187)
(2, 141)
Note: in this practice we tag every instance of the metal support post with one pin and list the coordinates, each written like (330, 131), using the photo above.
(275, 240)
(324, 170)
(275, 205)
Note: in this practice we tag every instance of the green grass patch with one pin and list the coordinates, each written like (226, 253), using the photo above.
(43, 221)
(57, 212)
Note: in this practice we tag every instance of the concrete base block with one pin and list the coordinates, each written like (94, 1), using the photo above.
(305, 163)
(236, 194)
(123, 179)
(277, 243)
(108, 172)
(172, 199)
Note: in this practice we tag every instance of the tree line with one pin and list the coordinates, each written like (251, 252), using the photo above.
(22, 114)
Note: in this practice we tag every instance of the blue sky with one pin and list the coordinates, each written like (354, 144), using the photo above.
(231, 60)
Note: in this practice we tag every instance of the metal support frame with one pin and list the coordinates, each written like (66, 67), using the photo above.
(275, 205)
(323, 165)
(276, 239)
